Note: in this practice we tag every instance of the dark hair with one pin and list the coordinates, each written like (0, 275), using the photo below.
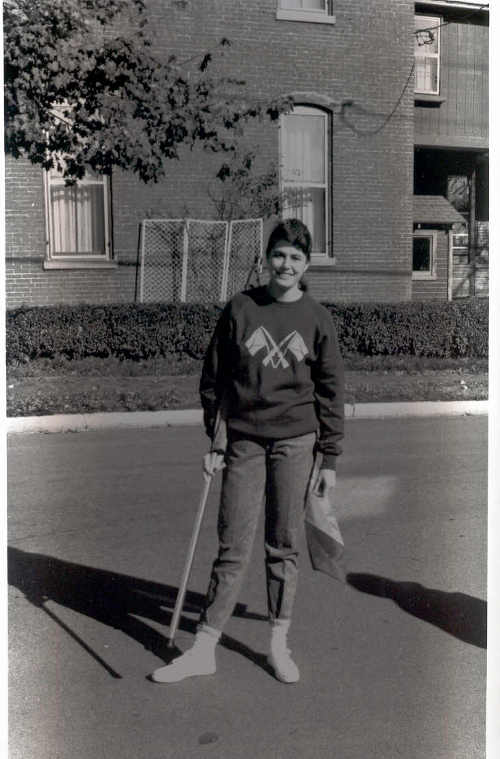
(294, 232)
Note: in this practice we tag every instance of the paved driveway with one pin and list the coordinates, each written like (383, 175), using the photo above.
(392, 663)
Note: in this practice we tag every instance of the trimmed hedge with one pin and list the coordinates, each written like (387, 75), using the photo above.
(125, 331)
(442, 330)
(434, 329)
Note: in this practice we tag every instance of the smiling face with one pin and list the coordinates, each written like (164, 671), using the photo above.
(286, 264)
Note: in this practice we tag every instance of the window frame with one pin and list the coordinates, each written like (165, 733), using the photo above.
(315, 15)
(55, 260)
(431, 274)
(325, 256)
(431, 21)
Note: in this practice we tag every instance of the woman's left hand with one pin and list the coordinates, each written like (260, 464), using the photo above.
(212, 462)
(327, 478)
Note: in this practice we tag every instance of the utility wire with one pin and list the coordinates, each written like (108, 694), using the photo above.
(451, 20)
(372, 132)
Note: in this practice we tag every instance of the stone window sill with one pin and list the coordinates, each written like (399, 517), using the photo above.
(423, 276)
(319, 261)
(308, 16)
(63, 263)
(426, 99)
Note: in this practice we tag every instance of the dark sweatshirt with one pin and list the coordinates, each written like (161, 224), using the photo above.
(276, 368)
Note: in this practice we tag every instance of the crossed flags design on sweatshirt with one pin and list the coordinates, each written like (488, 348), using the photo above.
(276, 352)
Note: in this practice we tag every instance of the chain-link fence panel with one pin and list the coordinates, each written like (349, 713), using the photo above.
(198, 261)
(207, 245)
(244, 259)
(163, 260)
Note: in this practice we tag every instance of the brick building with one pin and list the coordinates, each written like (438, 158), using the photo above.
(349, 144)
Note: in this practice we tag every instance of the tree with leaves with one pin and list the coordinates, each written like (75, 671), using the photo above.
(240, 191)
(84, 89)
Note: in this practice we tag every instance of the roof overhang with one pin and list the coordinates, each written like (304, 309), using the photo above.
(434, 209)
(456, 5)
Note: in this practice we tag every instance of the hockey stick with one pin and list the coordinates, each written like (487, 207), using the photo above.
(218, 444)
(181, 594)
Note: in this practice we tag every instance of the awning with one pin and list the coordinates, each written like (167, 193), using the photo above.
(434, 209)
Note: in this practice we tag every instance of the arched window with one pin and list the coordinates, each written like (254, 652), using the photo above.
(304, 171)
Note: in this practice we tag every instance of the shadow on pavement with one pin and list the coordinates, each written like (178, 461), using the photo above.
(460, 615)
(113, 599)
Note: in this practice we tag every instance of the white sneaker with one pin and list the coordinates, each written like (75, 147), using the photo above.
(194, 662)
(283, 665)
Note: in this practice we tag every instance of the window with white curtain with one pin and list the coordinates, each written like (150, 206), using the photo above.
(304, 167)
(427, 53)
(78, 218)
(305, 10)
(307, 5)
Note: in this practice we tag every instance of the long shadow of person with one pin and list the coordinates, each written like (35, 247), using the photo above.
(115, 600)
(461, 615)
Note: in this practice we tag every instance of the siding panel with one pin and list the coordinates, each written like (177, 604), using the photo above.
(462, 119)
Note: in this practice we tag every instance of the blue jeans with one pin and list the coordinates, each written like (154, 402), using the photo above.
(258, 470)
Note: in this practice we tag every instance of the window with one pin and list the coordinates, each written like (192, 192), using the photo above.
(77, 220)
(309, 5)
(460, 246)
(427, 51)
(304, 171)
(305, 10)
(424, 255)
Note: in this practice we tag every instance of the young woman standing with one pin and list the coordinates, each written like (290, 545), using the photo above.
(274, 368)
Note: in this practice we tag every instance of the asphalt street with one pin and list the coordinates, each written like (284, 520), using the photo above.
(393, 662)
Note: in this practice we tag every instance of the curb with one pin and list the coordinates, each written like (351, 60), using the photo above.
(418, 408)
(194, 417)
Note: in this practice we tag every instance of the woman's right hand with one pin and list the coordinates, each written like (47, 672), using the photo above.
(212, 462)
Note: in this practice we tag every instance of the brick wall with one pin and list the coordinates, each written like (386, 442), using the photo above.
(28, 283)
(24, 210)
(365, 57)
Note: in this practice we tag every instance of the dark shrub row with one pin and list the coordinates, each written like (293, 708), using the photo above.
(443, 330)
(126, 331)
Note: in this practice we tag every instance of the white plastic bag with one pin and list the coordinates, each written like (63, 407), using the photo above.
(324, 539)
